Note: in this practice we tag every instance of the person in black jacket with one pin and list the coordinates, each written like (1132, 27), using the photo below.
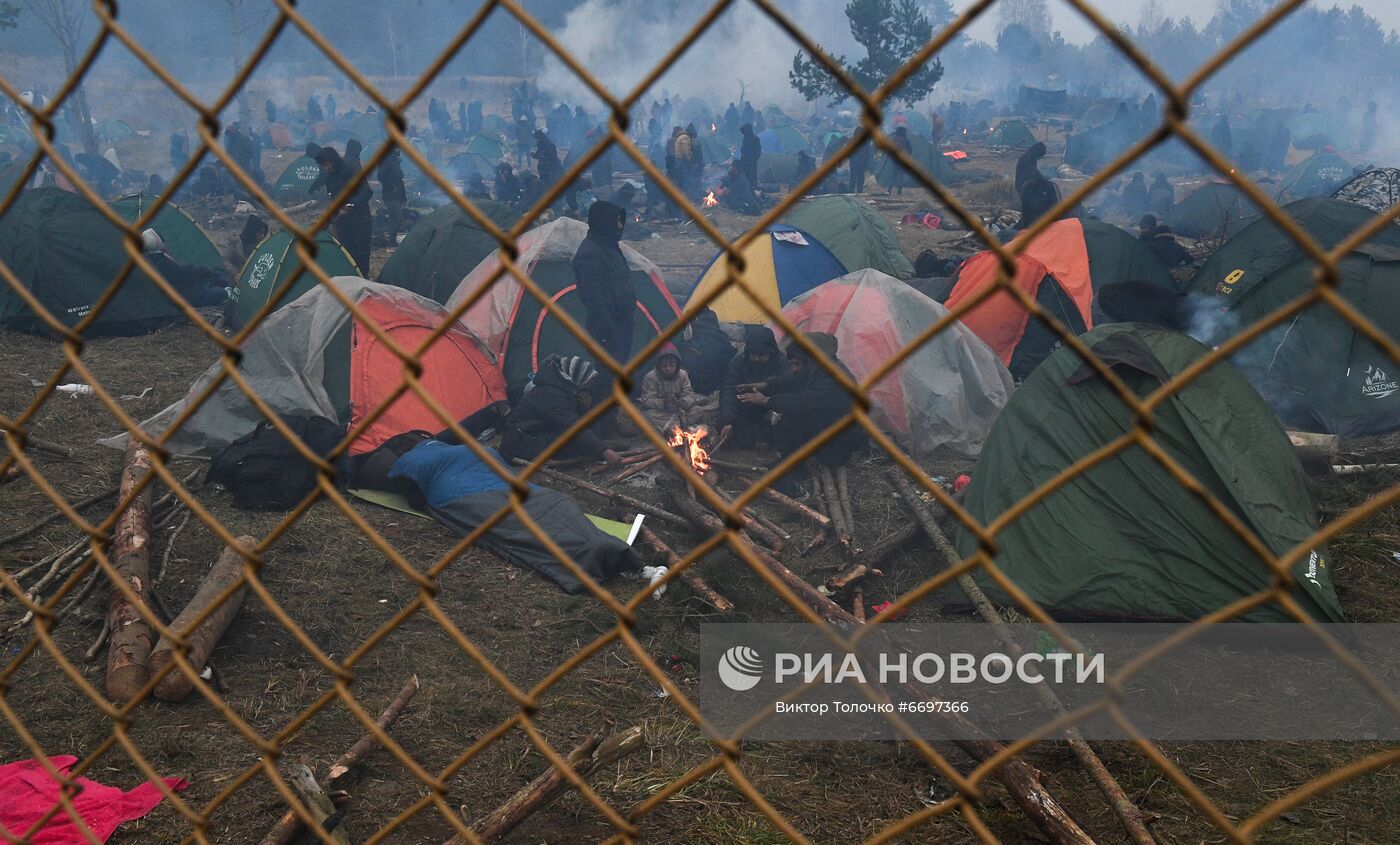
(547, 159)
(706, 353)
(1160, 238)
(352, 221)
(559, 395)
(1134, 196)
(200, 286)
(392, 191)
(507, 186)
(749, 152)
(1161, 197)
(1028, 166)
(747, 424)
(808, 401)
(605, 281)
(860, 165)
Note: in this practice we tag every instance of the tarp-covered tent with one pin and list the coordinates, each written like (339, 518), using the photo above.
(1316, 370)
(1014, 134)
(517, 328)
(1062, 269)
(1124, 539)
(944, 396)
(311, 357)
(67, 254)
(1213, 210)
(781, 264)
(1317, 176)
(270, 268)
(924, 153)
(442, 248)
(294, 185)
(1040, 101)
(184, 240)
(854, 232)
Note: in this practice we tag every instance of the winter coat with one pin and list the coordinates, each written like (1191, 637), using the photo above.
(682, 147)
(707, 354)
(809, 402)
(391, 179)
(605, 281)
(742, 371)
(1164, 245)
(1161, 197)
(544, 413)
(1135, 196)
(668, 395)
(750, 149)
(1028, 166)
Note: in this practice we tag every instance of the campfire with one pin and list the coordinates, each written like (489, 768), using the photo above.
(714, 127)
(710, 201)
(688, 443)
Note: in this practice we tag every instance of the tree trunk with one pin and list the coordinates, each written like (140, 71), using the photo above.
(87, 136)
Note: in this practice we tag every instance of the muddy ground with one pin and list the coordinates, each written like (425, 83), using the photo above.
(340, 591)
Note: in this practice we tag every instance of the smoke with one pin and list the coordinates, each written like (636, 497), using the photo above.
(623, 40)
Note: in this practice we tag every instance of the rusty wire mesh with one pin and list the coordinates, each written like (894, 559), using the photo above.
(727, 750)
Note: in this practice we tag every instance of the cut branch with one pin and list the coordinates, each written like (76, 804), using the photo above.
(225, 572)
(131, 635)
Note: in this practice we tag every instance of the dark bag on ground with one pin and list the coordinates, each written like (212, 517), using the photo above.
(265, 472)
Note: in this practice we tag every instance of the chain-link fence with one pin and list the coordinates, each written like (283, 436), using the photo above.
(256, 755)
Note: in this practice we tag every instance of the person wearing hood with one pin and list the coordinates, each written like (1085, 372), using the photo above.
(392, 191)
(739, 194)
(352, 221)
(546, 157)
(254, 230)
(201, 287)
(605, 281)
(808, 400)
(1221, 137)
(900, 177)
(507, 186)
(476, 188)
(1134, 197)
(746, 425)
(1038, 197)
(1028, 166)
(706, 353)
(806, 165)
(562, 391)
(313, 109)
(860, 160)
(667, 398)
(1160, 238)
(749, 152)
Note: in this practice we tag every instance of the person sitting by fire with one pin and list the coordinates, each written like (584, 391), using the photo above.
(667, 398)
(555, 400)
(808, 401)
(746, 425)
(739, 194)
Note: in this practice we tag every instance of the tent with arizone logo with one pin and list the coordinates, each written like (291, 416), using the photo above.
(274, 264)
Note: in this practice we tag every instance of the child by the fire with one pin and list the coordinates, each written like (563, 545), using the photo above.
(667, 398)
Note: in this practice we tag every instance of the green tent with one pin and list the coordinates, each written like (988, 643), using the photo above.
(1014, 134)
(1317, 372)
(114, 130)
(776, 169)
(270, 267)
(1316, 176)
(1213, 210)
(1124, 539)
(487, 146)
(854, 232)
(184, 240)
(464, 164)
(442, 248)
(925, 153)
(294, 185)
(783, 140)
(67, 253)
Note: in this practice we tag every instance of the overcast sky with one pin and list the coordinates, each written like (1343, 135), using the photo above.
(1076, 29)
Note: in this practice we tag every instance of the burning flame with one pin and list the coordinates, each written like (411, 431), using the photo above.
(689, 443)
(710, 201)
(714, 127)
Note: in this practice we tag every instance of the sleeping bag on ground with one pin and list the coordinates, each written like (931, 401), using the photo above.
(462, 493)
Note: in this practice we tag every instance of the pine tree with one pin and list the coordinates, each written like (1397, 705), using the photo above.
(891, 31)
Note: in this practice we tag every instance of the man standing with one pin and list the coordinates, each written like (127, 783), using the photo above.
(749, 152)
(352, 221)
(392, 191)
(605, 281)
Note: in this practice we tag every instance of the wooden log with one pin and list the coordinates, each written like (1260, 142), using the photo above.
(635, 468)
(52, 448)
(1361, 469)
(1019, 778)
(318, 803)
(872, 558)
(176, 685)
(696, 583)
(1316, 451)
(549, 785)
(289, 825)
(131, 637)
(1128, 813)
(627, 501)
(820, 519)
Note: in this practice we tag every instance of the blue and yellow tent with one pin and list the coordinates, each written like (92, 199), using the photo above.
(783, 264)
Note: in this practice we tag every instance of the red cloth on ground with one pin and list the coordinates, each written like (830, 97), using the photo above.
(28, 791)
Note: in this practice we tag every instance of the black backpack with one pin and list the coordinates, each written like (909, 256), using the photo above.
(264, 471)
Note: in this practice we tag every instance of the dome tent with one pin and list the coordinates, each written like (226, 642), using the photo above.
(1316, 176)
(184, 240)
(1062, 269)
(1212, 210)
(294, 185)
(1317, 371)
(779, 265)
(924, 153)
(442, 248)
(854, 232)
(67, 253)
(1124, 539)
(312, 357)
(1013, 134)
(944, 396)
(270, 267)
(517, 328)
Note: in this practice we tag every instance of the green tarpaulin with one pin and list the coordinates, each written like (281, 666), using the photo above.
(1124, 539)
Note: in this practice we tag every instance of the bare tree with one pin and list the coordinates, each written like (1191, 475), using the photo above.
(242, 25)
(1152, 19)
(1033, 15)
(66, 19)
